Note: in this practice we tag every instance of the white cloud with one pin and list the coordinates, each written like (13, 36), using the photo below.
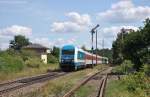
(76, 23)
(58, 42)
(125, 11)
(43, 41)
(111, 32)
(79, 19)
(7, 34)
(16, 30)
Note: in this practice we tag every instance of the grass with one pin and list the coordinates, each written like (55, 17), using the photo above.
(117, 88)
(58, 87)
(84, 91)
(27, 72)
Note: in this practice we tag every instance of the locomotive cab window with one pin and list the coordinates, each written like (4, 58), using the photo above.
(67, 52)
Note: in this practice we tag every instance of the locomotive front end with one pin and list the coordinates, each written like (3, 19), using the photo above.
(67, 54)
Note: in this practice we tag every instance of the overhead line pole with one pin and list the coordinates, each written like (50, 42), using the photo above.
(96, 47)
(92, 48)
(102, 50)
(92, 32)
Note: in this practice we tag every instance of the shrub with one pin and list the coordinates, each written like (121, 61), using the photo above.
(137, 82)
(33, 62)
(51, 59)
(26, 54)
(124, 68)
(10, 63)
(146, 69)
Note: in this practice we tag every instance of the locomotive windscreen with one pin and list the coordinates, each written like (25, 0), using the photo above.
(67, 52)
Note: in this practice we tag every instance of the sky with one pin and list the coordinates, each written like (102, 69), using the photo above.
(61, 22)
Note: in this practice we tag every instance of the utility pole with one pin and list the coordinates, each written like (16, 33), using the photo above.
(122, 40)
(96, 47)
(102, 50)
(92, 47)
(92, 32)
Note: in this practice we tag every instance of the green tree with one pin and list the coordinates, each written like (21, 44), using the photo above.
(136, 45)
(52, 59)
(55, 52)
(117, 48)
(18, 42)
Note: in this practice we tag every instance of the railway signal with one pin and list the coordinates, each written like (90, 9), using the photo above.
(92, 33)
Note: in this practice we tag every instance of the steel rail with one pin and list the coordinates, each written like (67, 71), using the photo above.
(76, 87)
(103, 83)
(29, 82)
(24, 78)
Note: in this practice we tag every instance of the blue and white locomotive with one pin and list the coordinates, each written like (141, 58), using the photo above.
(73, 58)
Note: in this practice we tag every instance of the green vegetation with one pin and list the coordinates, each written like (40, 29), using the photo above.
(124, 68)
(133, 46)
(16, 62)
(52, 59)
(10, 63)
(133, 85)
(18, 42)
(33, 62)
(84, 91)
(146, 69)
(55, 52)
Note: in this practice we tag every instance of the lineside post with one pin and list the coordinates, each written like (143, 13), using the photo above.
(96, 47)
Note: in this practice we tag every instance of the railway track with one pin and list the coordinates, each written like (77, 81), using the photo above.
(101, 88)
(24, 82)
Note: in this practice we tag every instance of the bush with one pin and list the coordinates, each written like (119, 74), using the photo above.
(137, 83)
(10, 63)
(25, 54)
(124, 68)
(52, 59)
(33, 62)
(146, 69)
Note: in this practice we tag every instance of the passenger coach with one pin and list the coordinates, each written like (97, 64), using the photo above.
(73, 58)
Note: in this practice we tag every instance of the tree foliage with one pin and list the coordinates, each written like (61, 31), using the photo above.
(117, 48)
(55, 52)
(134, 46)
(18, 42)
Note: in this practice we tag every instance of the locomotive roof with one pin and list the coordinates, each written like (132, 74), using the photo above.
(67, 47)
